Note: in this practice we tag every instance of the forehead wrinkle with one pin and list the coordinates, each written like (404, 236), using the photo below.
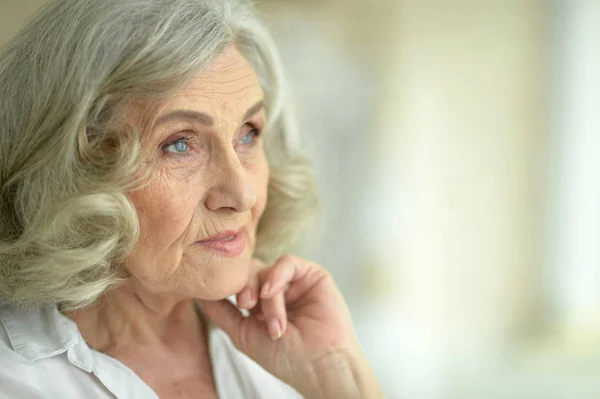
(242, 86)
(228, 72)
(227, 75)
(222, 112)
(212, 88)
(241, 112)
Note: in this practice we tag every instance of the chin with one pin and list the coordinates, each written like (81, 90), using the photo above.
(225, 280)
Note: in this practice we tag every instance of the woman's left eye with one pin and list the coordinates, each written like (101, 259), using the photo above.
(249, 138)
(180, 146)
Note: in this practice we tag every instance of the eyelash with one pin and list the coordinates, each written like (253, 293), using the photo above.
(187, 138)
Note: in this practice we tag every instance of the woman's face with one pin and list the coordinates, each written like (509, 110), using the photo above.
(208, 189)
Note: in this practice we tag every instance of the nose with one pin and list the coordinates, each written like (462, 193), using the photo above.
(231, 188)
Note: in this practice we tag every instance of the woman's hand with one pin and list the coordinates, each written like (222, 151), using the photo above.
(299, 329)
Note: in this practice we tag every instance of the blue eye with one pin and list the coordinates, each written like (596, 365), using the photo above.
(179, 147)
(248, 139)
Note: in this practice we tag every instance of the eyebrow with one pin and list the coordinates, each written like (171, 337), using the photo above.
(202, 118)
(253, 110)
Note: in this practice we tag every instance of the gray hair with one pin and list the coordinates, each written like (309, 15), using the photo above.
(66, 222)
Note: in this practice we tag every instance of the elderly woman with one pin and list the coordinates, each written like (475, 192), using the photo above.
(148, 173)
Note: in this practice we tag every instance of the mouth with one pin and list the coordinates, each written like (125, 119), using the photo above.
(228, 243)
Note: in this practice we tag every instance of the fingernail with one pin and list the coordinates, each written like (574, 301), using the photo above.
(265, 289)
(274, 329)
(244, 299)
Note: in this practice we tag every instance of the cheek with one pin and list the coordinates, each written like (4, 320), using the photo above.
(164, 212)
(261, 186)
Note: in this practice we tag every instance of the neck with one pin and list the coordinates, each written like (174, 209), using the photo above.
(127, 316)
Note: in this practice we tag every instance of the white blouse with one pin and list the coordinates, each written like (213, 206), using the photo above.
(43, 355)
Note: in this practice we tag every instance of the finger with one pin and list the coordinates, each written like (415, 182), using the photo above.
(276, 280)
(287, 273)
(248, 297)
(284, 271)
(311, 279)
(275, 315)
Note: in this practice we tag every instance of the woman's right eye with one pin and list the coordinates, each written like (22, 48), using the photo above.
(180, 146)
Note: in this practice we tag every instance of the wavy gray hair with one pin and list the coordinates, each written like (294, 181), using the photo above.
(66, 222)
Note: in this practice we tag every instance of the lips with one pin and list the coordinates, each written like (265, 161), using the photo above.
(228, 243)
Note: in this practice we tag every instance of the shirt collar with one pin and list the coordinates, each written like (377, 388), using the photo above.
(42, 332)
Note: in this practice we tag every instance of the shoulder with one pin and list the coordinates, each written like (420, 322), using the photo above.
(33, 357)
(19, 376)
(236, 375)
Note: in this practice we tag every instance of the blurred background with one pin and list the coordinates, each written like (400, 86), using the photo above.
(457, 146)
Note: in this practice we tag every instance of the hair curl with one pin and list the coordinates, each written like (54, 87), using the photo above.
(66, 222)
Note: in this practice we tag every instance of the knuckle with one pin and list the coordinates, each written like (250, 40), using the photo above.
(286, 259)
(326, 274)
